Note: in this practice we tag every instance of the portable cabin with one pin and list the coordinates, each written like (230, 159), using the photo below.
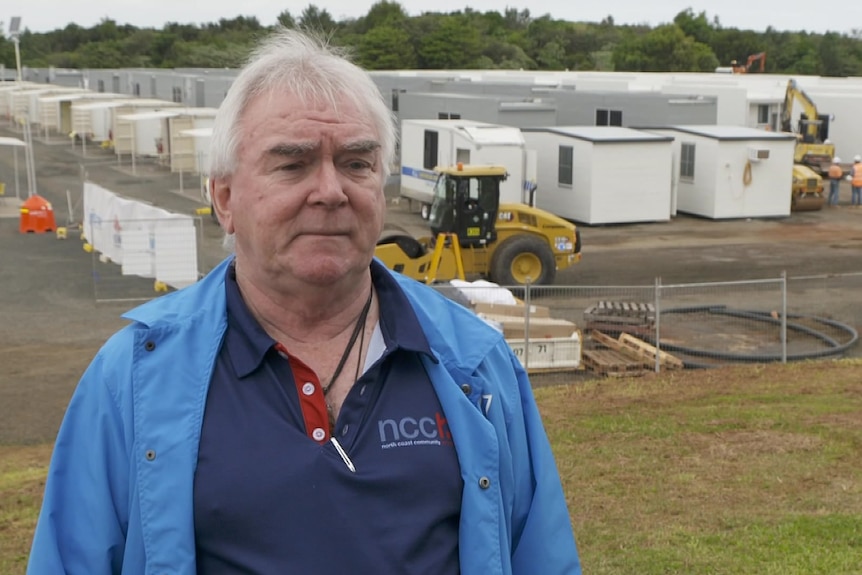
(21, 103)
(723, 172)
(7, 90)
(45, 113)
(602, 174)
(55, 110)
(92, 118)
(426, 144)
(504, 110)
(185, 138)
(137, 126)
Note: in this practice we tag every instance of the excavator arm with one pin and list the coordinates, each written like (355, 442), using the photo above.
(760, 58)
(794, 92)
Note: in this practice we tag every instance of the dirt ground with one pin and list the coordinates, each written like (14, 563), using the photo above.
(51, 323)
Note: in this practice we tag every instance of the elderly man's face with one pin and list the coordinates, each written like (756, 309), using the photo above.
(306, 200)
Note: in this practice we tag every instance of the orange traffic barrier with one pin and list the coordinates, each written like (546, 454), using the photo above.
(37, 216)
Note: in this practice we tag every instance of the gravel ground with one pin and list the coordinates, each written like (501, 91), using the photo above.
(51, 322)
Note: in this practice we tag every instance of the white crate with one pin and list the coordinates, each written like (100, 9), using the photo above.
(549, 353)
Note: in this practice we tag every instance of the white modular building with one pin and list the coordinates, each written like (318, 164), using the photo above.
(136, 126)
(603, 174)
(92, 120)
(426, 144)
(21, 106)
(55, 110)
(186, 137)
(723, 172)
(7, 90)
(43, 111)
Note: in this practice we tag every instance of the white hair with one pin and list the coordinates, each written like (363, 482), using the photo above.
(304, 65)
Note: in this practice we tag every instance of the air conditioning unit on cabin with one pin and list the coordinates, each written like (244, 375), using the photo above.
(758, 154)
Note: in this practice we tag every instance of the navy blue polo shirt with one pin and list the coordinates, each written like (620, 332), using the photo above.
(272, 497)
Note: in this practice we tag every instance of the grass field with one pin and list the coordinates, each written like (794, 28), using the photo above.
(742, 470)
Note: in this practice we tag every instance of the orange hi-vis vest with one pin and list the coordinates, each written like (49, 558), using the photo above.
(857, 175)
(835, 172)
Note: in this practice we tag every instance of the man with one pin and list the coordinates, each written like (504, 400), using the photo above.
(301, 409)
(856, 181)
(835, 174)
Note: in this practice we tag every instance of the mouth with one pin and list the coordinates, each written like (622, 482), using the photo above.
(324, 233)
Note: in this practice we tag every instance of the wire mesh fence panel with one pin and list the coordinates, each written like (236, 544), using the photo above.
(559, 332)
(717, 323)
(831, 306)
(552, 330)
(137, 260)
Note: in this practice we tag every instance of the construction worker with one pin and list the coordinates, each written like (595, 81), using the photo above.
(835, 174)
(856, 181)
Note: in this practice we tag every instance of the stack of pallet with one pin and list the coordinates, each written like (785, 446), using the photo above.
(616, 317)
(626, 355)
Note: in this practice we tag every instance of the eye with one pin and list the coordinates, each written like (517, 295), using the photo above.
(291, 167)
(358, 165)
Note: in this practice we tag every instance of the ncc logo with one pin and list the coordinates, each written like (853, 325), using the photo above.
(410, 431)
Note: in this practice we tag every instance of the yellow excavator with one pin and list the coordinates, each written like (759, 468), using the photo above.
(813, 152)
(473, 234)
(812, 146)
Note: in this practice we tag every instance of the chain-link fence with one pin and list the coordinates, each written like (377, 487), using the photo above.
(561, 331)
(611, 330)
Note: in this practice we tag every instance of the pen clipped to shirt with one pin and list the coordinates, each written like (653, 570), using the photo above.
(343, 455)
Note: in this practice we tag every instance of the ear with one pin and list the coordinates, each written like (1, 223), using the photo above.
(220, 194)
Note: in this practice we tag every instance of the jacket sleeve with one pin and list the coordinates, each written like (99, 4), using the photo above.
(542, 537)
(84, 516)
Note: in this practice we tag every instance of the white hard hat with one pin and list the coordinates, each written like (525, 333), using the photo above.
(836, 160)
(857, 158)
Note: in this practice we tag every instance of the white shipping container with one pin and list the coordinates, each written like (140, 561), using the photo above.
(718, 175)
(426, 144)
(603, 174)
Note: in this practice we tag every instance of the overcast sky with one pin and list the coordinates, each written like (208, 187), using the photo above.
(793, 15)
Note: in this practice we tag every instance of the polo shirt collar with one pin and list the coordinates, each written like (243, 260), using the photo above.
(248, 343)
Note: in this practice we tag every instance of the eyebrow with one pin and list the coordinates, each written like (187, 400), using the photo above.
(362, 146)
(291, 150)
(298, 149)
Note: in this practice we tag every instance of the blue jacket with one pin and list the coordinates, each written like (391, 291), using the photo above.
(119, 493)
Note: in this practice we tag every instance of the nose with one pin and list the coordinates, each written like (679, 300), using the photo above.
(327, 188)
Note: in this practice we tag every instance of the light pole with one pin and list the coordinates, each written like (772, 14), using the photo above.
(14, 28)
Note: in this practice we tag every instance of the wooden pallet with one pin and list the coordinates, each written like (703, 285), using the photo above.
(611, 362)
(617, 328)
(621, 312)
(636, 350)
(648, 352)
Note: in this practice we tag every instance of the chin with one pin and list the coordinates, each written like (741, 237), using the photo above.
(325, 270)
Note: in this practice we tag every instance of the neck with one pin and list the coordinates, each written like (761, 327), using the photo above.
(307, 316)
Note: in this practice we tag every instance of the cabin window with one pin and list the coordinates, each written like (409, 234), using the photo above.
(686, 161)
(177, 94)
(429, 161)
(448, 116)
(609, 117)
(566, 167)
(763, 114)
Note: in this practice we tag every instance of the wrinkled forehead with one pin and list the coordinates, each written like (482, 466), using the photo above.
(341, 106)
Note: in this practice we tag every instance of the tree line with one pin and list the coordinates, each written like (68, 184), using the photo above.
(387, 38)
